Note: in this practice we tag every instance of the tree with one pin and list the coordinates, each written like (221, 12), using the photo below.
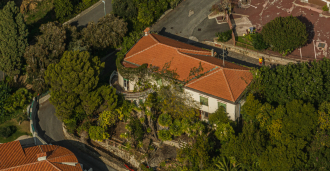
(108, 32)
(107, 118)
(324, 116)
(247, 147)
(197, 156)
(49, 49)
(73, 79)
(164, 135)
(165, 120)
(127, 9)
(224, 131)
(13, 39)
(63, 8)
(224, 36)
(97, 133)
(284, 34)
(258, 42)
(176, 128)
(219, 116)
(4, 94)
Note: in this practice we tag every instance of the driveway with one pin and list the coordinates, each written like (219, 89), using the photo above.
(190, 19)
(50, 129)
(93, 15)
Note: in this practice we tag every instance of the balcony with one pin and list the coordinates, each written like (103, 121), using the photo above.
(128, 95)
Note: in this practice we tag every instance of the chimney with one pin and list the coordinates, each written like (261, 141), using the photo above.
(146, 31)
(41, 156)
(212, 52)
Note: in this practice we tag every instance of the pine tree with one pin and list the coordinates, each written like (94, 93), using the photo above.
(13, 39)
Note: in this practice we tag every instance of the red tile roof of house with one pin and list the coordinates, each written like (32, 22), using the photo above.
(227, 82)
(14, 158)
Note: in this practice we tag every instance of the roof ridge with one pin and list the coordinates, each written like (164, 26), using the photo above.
(62, 156)
(248, 70)
(154, 38)
(194, 50)
(215, 71)
(142, 51)
(195, 58)
(53, 151)
(231, 93)
(54, 165)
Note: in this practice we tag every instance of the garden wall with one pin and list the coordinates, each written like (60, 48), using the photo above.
(251, 53)
(107, 159)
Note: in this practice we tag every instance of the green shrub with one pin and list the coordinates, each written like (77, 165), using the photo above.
(136, 129)
(224, 36)
(258, 42)
(325, 8)
(165, 120)
(97, 133)
(8, 131)
(164, 135)
(176, 128)
(219, 116)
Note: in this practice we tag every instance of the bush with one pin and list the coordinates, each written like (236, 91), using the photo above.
(97, 133)
(164, 135)
(325, 8)
(284, 34)
(224, 36)
(8, 131)
(219, 116)
(176, 128)
(136, 129)
(165, 120)
(258, 42)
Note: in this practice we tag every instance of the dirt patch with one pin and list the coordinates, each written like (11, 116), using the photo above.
(119, 129)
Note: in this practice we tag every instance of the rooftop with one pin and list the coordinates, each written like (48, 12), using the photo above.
(227, 82)
(38, 158)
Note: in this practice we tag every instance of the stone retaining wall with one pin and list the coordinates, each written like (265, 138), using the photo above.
(251, 53)
(107, 159)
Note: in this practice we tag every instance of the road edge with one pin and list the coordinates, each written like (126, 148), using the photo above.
(83, 12)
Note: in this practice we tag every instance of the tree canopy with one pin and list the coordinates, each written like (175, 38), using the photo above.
(13, 39)
(284, 34)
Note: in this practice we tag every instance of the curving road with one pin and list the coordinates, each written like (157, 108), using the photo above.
(50, 129)
(93, 14)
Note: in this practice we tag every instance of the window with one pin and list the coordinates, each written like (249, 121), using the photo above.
(125, 84)
(221, 105)
(204, 101)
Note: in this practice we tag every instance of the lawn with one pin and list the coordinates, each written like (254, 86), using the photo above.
(22, 129)
(243, 40)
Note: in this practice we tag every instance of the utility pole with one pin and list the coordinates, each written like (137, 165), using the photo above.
(104, 8)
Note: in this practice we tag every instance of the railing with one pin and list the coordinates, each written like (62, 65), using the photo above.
(136, 95)
(114, 73)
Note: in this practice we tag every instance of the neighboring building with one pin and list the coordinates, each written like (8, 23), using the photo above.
(37, 158)
(220, 86)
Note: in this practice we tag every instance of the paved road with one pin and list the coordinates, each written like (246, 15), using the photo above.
(50, 129)
(196, 28)
(94, 15)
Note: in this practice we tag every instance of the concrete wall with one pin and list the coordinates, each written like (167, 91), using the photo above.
(213, 104)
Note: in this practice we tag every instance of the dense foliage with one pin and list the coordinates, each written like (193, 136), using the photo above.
(224, 36)
(285, 34)
(13, 39)
(74, 87)
(258, 42)
(309, 82)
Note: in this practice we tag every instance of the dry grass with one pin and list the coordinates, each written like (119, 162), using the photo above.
(22, 129)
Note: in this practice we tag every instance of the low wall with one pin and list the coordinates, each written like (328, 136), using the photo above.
(107, 159)
(32, 111)
(251, 53)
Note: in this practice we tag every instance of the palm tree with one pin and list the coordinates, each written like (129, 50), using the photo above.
(227, 165)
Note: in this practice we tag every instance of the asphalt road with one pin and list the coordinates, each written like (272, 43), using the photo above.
(50, 129)
(180, 23)
(94, 15)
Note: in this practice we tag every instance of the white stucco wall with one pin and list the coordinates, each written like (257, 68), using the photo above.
(213, 104)
(121, 82)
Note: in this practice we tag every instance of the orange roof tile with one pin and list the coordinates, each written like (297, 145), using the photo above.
(14, 158)
(222, 81)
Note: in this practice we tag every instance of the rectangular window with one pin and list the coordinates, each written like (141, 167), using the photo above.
(222, 105)
(204, 101)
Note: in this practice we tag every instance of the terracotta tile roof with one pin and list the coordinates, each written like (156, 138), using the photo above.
(14, 158)
(129, 65)
(224, 82)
